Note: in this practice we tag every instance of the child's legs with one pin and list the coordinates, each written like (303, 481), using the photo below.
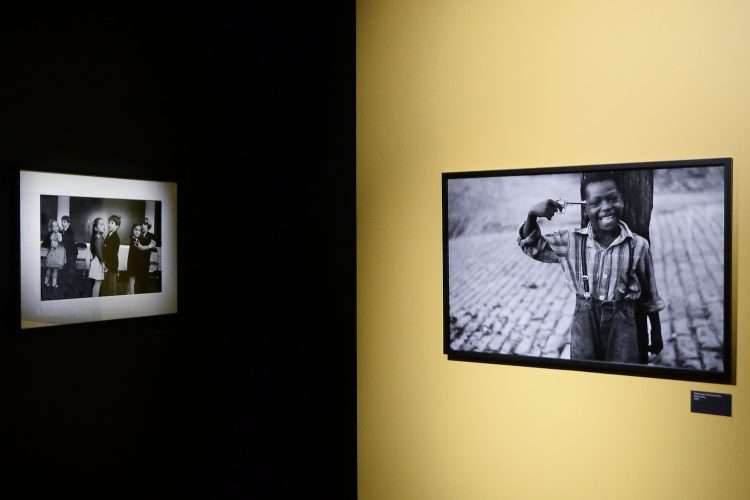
(584, 332)
(131, 284)
(110, 283)
(623, 339)
(64, 276)
(140, 283)
(70, 274)
(54, 277)
(96, 290)
(47, 274)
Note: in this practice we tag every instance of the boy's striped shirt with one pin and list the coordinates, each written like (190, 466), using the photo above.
(611, 274)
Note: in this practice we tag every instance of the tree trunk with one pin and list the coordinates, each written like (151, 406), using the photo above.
(637, 188)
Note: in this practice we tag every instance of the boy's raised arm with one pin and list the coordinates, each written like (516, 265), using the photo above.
(530, 239)
(545, 208)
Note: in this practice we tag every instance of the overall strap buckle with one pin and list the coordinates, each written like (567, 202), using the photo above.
(584, 270)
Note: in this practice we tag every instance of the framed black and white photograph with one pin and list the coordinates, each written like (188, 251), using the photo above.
(621, 268)
(96, 248)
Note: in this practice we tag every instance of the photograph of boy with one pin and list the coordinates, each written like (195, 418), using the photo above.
(601, 266)
(609, 267)
(84, 255)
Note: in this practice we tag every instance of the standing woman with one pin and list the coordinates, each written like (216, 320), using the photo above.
(96, 271)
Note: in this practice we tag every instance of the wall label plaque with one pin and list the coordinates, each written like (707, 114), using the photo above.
(712, 403)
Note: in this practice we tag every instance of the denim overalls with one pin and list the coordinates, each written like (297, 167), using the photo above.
(605, 330)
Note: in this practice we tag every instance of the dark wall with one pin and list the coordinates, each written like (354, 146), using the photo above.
(47, 212)
(249, 393)
(83, 211)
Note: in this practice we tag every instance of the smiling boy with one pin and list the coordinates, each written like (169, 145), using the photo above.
(609, 268)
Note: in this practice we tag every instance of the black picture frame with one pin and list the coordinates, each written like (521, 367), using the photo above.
(725, 376)
(11, 300)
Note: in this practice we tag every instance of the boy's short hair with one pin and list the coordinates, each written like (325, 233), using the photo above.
(146, 223)
(116, 219)
(599, 176)
(65, 218)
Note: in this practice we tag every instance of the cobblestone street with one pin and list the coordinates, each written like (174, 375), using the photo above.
(504, 302)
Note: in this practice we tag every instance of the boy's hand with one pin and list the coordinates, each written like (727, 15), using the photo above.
(657, 344)
(546, 208)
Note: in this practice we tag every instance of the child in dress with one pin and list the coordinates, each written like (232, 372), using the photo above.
(71, 250)
(96, 271)
(55, 255)
(137, 262)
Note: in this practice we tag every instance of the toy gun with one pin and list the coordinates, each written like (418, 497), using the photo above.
(566, 203)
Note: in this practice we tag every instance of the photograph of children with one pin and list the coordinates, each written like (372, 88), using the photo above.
(617, 266)
(85, 253)
(96, 248)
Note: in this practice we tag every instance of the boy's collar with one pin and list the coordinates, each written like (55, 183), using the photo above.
(625, 231)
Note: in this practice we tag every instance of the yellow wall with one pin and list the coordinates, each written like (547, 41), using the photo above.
(474, 84)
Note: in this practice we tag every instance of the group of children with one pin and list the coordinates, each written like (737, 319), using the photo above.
(105, 248)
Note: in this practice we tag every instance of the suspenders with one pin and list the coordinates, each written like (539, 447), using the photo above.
(641, 333)
(584, 268)
(584, 271)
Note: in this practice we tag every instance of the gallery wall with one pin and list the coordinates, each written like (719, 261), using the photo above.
(92, 407)
(479, 84)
